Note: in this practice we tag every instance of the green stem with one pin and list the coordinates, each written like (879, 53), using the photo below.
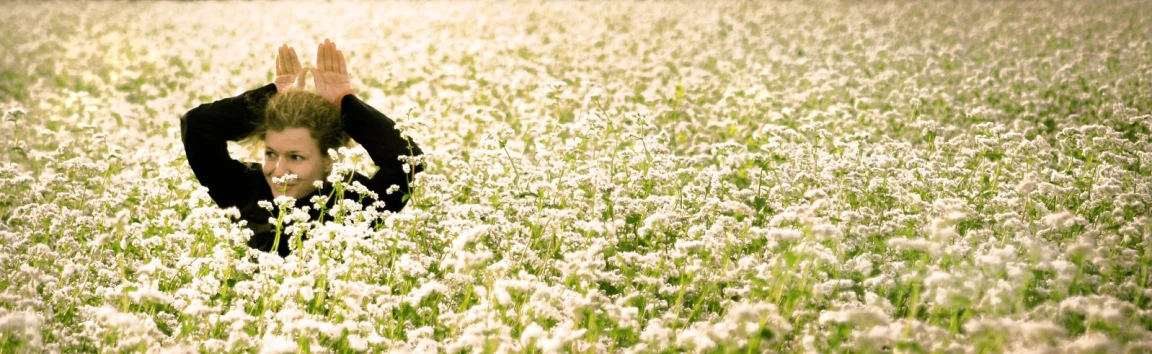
(516, 170)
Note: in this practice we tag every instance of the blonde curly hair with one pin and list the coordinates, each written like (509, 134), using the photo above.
(302, 109)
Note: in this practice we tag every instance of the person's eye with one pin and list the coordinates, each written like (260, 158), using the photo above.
(297, 157)
(269, 154)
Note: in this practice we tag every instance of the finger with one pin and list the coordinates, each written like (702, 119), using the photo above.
(327, 57)
(293, 60)
(320, 56)
(317, 78)
(279, 66)
(285, 63)
(286, 60)
(332, 66)
(343, 64)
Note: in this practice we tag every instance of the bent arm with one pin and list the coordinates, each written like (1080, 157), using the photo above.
(378, 134)
(206, 130)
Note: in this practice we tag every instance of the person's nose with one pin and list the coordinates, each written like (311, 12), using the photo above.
(280, 169)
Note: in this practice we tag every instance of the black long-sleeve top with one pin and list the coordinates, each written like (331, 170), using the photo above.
(206, 130)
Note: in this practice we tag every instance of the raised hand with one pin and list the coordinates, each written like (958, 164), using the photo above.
(289, 73)
(331, 73)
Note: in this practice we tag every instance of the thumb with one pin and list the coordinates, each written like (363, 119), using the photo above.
(315, 74)
(317, 78)
(300, 78)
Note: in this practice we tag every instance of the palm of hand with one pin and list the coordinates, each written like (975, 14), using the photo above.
(288, 69)
(331, 72)
(328, 84)
(284, 81)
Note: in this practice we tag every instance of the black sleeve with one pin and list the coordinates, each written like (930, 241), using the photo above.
(378, 134)
(206, 130)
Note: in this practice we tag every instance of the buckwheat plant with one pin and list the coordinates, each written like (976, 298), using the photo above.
(733, 177)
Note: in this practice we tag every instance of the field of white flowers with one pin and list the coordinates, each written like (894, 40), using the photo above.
(943, 177)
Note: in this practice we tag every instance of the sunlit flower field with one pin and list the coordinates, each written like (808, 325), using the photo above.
(741, 177)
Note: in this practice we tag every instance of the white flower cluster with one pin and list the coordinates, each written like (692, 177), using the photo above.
(655, 177)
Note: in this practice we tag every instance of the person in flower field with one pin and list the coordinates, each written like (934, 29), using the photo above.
(297, 129)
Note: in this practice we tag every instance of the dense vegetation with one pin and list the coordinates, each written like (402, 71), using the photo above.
(602, 177)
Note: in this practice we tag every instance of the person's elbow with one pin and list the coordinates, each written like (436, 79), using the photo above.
(416, 158)
(396, 200)
(394, 186)
(191, 121)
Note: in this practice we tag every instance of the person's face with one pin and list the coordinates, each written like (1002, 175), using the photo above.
(293, 151)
